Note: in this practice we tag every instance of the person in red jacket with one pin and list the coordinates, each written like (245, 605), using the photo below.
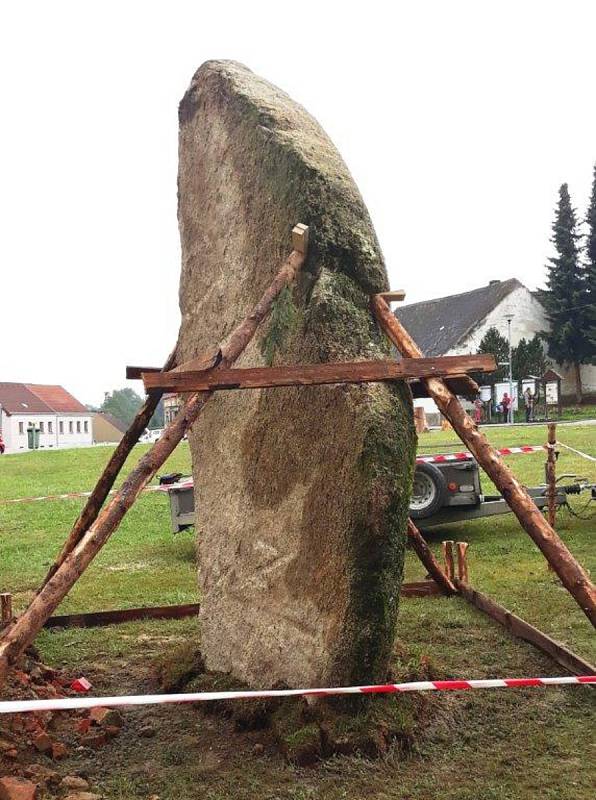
(506, 405)
(2, 445)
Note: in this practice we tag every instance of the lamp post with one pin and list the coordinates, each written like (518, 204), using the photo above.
(509, 317)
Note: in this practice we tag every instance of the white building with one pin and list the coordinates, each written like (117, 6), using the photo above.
(455, 325)
(34, 416)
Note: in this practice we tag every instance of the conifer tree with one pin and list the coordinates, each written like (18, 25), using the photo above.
(590, 259)
(495, 344)
(566, 297)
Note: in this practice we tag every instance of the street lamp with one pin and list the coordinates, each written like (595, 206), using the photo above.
(509, 317)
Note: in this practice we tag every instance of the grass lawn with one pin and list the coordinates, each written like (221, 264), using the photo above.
(499, 745)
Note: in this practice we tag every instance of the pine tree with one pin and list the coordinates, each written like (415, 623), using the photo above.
(590, 258)
(497, 345)
(566, 296)
(528, 359)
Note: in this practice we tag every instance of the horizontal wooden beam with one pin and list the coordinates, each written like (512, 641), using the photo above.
(315, 374)
(95, 619)
(98, 619)
(519, 627)
(136, 373)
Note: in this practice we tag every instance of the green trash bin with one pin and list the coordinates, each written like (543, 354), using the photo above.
(33, 437)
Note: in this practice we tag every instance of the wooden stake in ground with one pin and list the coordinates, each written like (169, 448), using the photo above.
(28, 625)
(551, 473)
(572, 575)
(462, 562)
(5, 608)
(425, 555)
(448, 558)
(106, 481)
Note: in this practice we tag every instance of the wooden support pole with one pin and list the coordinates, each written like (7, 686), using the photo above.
(425, 555)
(217, 379)
(462, 561)
(551, 473)
(106, 481)
(519, 627)
(76, 562)
(5, 608)
(448, 558)
(572, 575)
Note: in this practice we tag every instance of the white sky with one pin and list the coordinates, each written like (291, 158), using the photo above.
(459, 120)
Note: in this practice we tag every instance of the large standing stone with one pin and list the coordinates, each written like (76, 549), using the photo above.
(301, 493)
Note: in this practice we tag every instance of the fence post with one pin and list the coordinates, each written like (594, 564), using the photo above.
(448, 556)
(5, 608)
(462, 562)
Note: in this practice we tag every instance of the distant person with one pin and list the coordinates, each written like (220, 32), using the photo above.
(529, 405)
(478, 408)
(506, 402)
(2, 445)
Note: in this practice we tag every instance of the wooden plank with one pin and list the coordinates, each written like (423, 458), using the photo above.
(394, 297)
(136, 373)
(314, 374)
(573, 576)
(99, 618)
(519, 627)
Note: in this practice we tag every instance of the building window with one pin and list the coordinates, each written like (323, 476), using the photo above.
(86, 426)
(50, 427)
(78, 426)
(61, 427)
(21, 427)
(41, 424)
(70, 426)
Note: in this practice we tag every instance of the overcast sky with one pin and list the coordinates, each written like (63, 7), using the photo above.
(458, 120)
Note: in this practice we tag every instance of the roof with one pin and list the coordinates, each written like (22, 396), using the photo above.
(57, 398)
(114, 421)
(35, 398)
(439, 325)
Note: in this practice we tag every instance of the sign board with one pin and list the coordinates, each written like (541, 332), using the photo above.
(552, 393)
(486, 393)
(501, 388)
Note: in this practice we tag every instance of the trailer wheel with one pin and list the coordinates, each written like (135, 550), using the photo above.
(428, 492)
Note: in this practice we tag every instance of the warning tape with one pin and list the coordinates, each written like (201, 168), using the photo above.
(62, 704)
(467, 456)
(70, 495)
(187, 483)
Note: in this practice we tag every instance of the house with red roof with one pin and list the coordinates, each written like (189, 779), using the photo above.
(36, 416)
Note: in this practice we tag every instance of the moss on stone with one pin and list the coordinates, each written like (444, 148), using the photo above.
(282, 322)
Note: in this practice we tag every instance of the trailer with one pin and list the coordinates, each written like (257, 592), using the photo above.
(443, 492)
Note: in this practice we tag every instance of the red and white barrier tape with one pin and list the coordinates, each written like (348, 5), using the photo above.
(467, 456)
(61, 704)
(187, 483)
(70, 495)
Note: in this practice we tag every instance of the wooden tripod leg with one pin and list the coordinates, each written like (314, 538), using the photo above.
(572, 574)
(425, 555)
(106, 481)
(28, 625)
